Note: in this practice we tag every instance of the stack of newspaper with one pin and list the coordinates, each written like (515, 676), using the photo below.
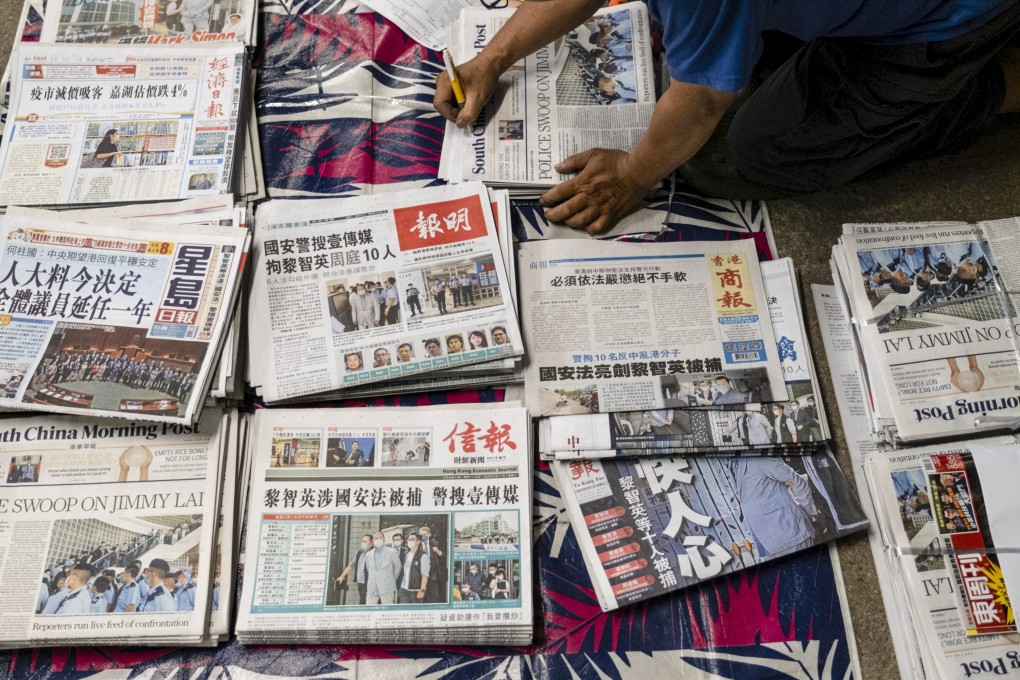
(593, 88)
(949, 540)
(389, 525)
(402, 292)
(117, 531)
(106, 315)
(619, 366)
(933, 309)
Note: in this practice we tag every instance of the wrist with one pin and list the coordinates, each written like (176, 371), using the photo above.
(640, 175)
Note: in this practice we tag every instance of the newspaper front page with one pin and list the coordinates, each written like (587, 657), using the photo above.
(649, 526)
(936, 315)
(95, 515)
(111, 320)
(619, 326)
(362, 290)
(111, 124)
(148, 22)
(592, 88)
(799, 422)
(389, 525)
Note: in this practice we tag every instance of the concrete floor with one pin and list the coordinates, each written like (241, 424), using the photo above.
(978, 183)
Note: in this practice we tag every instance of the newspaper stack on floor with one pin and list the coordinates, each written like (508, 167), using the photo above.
(382, 292)
(116, 124)
(946, 517)
(395, 526)
(112, 530)
(594, 88)
(114, 317)
(649, 526)
(691, 424)
(934, 315)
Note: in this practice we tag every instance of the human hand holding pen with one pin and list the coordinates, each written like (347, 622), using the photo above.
(477, 80)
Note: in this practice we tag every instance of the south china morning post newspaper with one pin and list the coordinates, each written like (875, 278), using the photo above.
(114, 124)
(362, 290)
(98, 319)
(616, 326)
(95, 515)
(394, 525)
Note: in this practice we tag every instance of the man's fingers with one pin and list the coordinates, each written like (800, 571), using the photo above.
(443, 100)
(468, 112)
(574, 163)
(559, 193)
(582, 219)
(567, 209)
(599, 226)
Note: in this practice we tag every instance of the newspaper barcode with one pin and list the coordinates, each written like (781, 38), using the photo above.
(746, 356)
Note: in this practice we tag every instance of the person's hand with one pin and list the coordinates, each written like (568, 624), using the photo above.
(340, 580)
(604, 190)
(421, 594)
(478, 80)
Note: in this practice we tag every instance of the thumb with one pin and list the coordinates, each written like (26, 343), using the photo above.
(574, 163)
(469, 111)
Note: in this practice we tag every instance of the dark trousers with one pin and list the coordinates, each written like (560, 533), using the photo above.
(408, 597)
(467, 293)
(414, 304)
(362, 593)
(841, 107)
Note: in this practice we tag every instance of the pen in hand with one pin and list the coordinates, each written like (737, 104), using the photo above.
(451, 70)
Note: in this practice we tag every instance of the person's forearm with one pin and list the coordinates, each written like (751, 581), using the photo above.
(533, 26)
(682, 122)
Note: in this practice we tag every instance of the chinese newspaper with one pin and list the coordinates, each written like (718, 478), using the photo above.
(107, 529)
(356, 291)
(148, 22)
(616, 326)
(593, 88)
(649, 526)
(798, 423)
(112, 124)
(395, 525)
(934, 312)
(947, 524)
(113, 317)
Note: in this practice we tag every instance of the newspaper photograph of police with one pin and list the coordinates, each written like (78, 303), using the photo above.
(105, 125)
(619, 326)
(937, 310)
(592, 88)
(374, 525)
(114, 536)
(112, 318)
(368, 289)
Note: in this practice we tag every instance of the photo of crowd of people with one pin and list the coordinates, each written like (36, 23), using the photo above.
(793, 422)
(113, 22)
(406, 448)
(953, 503)
(129, 574)
(108, 367)
(452, 287)
(388, 560)
(485, 531)
(722, 389)
(24, 469)
(363, 305)
(350, 451)
(599, 68)
(497, 579)
(941, 283)
(300, 452)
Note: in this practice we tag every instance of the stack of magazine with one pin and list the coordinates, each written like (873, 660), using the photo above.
(116, 316)
(403, 292)
(949, 540)
(593, 88)
(389, 525)
(118, 531)
(933, 309)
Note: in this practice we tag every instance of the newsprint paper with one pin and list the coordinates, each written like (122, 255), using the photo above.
(935, 311)
(389, 526)
(95, 515)
(617, 326)
(97, 319)
(650, 526)
(593, 88)
(115, 124)
(355, 291)
(947, 519)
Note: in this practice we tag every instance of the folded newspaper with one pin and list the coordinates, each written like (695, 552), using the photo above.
(111, 529)
(649, 526)
(946, 515)
(357, 291)
(695, 426)
(112, 124)
(934, 314)
(398, 525)
(113, 317)
(612, 327)
(593, 88)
